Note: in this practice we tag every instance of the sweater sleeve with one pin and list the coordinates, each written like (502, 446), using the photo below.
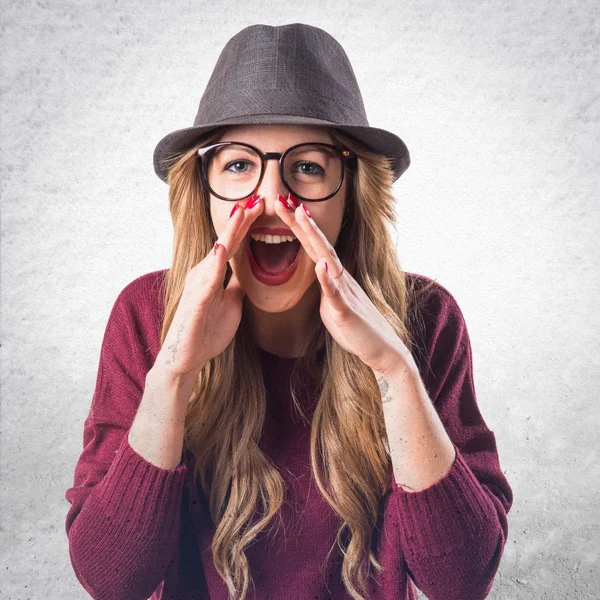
(453, 533)
(124, 521)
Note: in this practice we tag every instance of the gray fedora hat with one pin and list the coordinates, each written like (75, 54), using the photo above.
(289, 74)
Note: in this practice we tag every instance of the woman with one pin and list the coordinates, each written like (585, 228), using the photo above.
(259, 365)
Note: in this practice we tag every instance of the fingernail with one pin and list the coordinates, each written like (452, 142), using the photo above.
(306, 211)
(283, 201)
(233, 210)
(326, 267)
(254, 202)
(250, 200)
(215, 248)
(293, 200)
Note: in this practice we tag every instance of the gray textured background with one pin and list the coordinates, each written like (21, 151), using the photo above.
(498, 104)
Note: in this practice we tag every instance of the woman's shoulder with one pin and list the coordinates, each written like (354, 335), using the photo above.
(145, 287)
(429, 292)
(434, 317)
(144, 294)
(139, 306)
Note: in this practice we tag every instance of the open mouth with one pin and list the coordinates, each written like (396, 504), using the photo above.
(274, 258)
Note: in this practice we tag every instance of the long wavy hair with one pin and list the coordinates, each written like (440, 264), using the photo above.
(349, 450)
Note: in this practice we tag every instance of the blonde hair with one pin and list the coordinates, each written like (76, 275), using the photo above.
(349, 451)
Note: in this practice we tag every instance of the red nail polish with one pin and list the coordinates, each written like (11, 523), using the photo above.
(293, 200)
(306, 211)
(233, 210)
(250, 200)
(215, 248)
(254, 202)
(283, 201)
(326, 267)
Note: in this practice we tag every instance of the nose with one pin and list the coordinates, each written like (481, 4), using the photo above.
(271, 186)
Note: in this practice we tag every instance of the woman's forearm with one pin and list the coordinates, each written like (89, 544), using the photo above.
(157, 430)
(421, 450)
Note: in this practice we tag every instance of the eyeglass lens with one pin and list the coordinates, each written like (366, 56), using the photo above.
(311, 171)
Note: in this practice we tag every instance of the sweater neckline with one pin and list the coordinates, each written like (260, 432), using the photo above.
(285, 359)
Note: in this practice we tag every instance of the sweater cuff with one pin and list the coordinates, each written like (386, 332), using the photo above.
(448, 514)
(136, 492)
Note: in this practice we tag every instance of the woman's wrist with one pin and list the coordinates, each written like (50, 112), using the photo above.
(160, 374)
(157, 430)
(163, 369)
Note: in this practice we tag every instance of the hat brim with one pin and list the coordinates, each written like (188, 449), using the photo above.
(383, 142)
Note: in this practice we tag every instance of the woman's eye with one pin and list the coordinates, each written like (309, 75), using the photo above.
(237, 166)
(309, 168)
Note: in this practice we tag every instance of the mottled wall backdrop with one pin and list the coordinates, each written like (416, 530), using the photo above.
(498, 102)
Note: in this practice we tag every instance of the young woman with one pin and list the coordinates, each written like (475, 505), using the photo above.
(285, 409)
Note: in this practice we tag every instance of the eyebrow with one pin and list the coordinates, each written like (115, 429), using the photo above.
(328, 154)
(238, 147)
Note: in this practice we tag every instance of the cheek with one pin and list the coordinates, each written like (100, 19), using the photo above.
(330, 226)
(219, 216)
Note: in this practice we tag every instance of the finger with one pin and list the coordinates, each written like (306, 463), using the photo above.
(242, 215)
(329, 287)
(227, 244)
(318, 240)
(216, 276)
(288, 217)
(225, 247)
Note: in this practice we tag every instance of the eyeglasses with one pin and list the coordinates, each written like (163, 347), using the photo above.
(311, 171)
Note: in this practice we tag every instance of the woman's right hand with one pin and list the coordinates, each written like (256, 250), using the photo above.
(208, 316)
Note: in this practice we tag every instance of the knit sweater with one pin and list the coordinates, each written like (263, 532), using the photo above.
(136, 530)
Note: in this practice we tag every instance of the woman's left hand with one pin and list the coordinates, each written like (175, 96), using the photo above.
(346, 310)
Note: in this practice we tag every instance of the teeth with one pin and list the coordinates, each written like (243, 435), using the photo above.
(272, 239)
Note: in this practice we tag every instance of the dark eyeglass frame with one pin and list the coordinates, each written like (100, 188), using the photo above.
(344, 154)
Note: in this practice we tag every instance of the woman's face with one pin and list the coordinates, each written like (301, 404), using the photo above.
(327, 214)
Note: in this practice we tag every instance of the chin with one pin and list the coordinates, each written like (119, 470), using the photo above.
(273, 300)
(277, 299)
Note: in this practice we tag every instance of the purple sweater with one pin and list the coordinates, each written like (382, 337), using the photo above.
(136, 530)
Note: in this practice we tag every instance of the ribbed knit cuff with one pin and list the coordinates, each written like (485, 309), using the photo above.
(452, 512)
(137, 492)
(128, 527)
